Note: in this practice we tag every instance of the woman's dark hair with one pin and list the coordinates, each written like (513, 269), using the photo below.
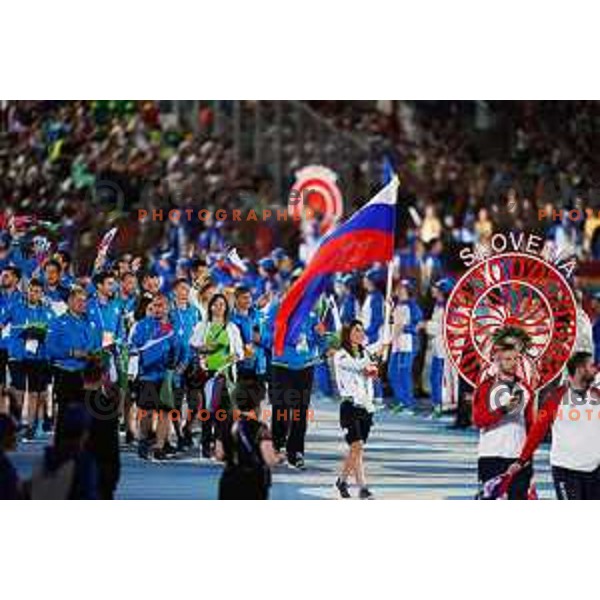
(248, 394)
(211, 303)
(346, 331)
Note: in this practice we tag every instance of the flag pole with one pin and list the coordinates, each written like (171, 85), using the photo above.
(388, 293)
(387, 328)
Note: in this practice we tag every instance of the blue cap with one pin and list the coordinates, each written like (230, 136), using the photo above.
(375, 274)
(267, 264)
(279, 254)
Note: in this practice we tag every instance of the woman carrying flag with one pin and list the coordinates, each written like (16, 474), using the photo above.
(363, 240)
(355, 368)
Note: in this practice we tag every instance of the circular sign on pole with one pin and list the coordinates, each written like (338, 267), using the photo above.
(315, 193)
(511, 290)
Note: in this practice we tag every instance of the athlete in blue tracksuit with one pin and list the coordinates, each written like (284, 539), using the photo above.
(128, 299)
(372, 312)
(23, 316)
(251, 323)
(105, 310)
(184, 317)
(71, 341)
(290, 389)
(346, 299)
(406, 317)
(440, 289)
(158, 350)
(27, 353)
(154, 340)
(323, 375)
(267, 282)
(75, 346)
(55, 291)
(10, 296)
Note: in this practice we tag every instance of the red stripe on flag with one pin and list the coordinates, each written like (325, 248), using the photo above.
(355, 250)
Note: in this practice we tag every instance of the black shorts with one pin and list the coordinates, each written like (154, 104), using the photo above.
(194, 398)
(29, 374)
(191, 387)
(147, 395)
(356, 420)
(576, 485)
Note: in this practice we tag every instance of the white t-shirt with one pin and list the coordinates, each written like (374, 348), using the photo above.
(576, 432)
(506, 438)
(434, 328)
(401, 341)
(350, 378)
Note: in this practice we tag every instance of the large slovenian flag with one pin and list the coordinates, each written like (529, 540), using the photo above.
(366, 238)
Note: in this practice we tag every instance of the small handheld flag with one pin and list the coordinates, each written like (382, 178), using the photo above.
(106, 241)
(234, 258)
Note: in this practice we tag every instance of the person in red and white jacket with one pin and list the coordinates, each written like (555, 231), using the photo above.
(503, 410)
(573, 412)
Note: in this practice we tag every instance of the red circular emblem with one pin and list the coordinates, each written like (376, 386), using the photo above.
(511, 289)
(316, 189)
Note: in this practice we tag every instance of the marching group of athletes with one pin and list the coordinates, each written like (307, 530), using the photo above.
(166, 354)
